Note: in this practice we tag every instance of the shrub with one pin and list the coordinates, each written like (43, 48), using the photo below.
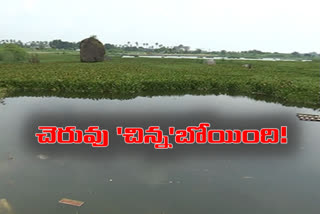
(316, 59)
(12, 53)
(34, 58)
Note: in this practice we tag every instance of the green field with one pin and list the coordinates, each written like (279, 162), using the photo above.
(288, 83)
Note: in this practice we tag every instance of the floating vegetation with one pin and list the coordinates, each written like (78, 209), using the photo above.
(289, 83)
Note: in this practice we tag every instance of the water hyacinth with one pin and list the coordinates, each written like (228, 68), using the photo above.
(289, 83)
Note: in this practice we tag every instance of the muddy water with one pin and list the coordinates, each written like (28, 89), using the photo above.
(137, 179)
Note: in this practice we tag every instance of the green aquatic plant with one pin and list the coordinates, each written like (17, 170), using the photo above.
(289, 83)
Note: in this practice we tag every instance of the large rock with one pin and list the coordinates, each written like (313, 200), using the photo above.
(91, 50)
(209, 61)
(247, 66)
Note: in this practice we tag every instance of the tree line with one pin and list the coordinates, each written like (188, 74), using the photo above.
(58, 44)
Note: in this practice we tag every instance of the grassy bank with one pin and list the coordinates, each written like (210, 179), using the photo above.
(289, 83)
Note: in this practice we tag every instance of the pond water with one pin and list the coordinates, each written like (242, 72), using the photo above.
(226, 58)
(137, 179)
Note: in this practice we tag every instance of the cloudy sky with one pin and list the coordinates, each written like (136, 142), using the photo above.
(234, 25)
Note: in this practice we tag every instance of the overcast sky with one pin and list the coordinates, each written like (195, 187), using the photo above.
(233, 25)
